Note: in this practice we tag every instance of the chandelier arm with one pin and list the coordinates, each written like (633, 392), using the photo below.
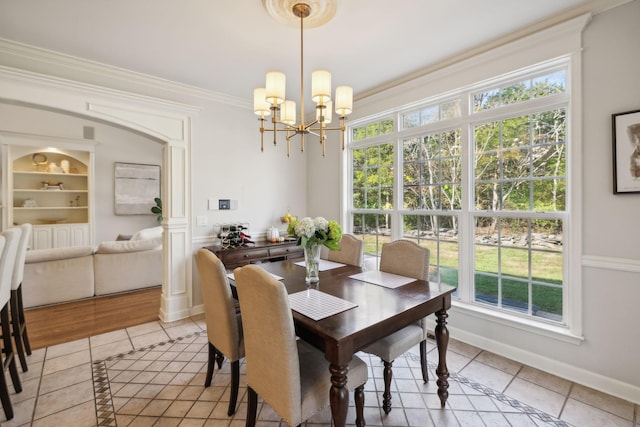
(282, 129)
(325, 128)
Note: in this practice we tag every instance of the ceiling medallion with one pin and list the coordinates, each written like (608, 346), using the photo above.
(280, 10)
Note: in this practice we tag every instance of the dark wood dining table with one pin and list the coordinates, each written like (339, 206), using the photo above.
(380, 311)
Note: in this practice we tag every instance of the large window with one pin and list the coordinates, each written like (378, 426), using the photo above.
(480, 179)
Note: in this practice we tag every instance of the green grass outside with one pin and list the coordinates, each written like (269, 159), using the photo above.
(546, 267)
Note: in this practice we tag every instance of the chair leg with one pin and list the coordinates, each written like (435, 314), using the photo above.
(235, 384)
(219, 359)
(7, 349)
(423, 361)
(252, 408)
(211, 363)
(23, 322)
(4, 396)
(16, 330)
(358, 397)
(386, 396)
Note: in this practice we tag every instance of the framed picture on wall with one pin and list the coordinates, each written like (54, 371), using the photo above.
(136, 187)
(626, 152)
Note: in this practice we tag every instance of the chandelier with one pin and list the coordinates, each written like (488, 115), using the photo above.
(270, 100)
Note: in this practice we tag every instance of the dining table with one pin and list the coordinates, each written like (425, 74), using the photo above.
(365, 311)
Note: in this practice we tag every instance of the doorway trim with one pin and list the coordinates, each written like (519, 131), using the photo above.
(168, 122)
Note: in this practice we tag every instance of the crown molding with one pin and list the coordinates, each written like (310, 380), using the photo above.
(34, 59)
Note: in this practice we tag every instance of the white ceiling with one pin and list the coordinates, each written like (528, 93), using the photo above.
(226, 46)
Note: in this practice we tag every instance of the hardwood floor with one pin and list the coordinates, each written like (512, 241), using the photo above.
(60, 323)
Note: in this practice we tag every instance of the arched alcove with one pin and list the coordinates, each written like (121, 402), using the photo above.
(168, 123)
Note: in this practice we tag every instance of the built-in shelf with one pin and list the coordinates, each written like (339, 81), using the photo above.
(60, 216)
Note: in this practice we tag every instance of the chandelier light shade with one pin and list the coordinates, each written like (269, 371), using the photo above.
(271, 100)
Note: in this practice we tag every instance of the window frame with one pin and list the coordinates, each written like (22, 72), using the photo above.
(570, 328)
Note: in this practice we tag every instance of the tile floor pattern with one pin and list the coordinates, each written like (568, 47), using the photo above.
(153, 374)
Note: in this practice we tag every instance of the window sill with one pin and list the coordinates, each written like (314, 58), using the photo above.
(556, 332)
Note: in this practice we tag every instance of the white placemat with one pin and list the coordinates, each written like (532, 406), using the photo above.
(318, 305)
(324, 265)
(382, 278)
(275, 276)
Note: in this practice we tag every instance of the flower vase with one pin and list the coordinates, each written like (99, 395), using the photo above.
(312, 263)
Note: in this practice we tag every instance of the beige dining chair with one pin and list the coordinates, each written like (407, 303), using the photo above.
(224, 322)
(11, 237)
(18, 322)
(288, 373)
(351, 251)
(404, 258)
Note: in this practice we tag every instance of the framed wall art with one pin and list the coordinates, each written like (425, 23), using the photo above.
(135, 187)
(626, 152)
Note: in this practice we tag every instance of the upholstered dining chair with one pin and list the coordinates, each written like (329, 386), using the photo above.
(351, 251)
(19, 325)
(405, 258)
(224, 324)
(289, 374)
(11, 238)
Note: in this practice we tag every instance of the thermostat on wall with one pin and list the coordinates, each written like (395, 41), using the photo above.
(222, 204)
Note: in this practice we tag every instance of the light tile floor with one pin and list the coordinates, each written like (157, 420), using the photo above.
(153, 374)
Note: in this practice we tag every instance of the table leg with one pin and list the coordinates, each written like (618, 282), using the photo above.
(339, 394)
(442, 341)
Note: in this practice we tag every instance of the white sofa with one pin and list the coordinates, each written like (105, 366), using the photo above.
(65, 274)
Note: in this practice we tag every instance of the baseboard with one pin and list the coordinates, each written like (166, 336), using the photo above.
(569, 372)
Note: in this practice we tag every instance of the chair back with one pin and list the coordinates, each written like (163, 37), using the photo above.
(405, 258)
(8, 262)
(351, 251)
(272, 361)
(224, 329)
(18, 271)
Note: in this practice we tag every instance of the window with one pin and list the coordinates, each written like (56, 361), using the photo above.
(480, 179)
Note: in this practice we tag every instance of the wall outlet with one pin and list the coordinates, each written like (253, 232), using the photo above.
(201, 221)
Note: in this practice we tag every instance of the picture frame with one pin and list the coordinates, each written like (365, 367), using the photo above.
(626, 152)
(135, 188)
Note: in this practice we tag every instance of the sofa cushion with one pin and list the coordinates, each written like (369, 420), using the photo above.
(123, 246)
(65, 277)
(56, 254)
(121, 271)
(148, 233)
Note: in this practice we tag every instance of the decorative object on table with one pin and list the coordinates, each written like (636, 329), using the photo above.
(234, 235)
(626, 152)
(312, 234)
(273, 234)
(287, 218)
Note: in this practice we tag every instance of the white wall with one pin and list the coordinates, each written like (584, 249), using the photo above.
(607, 358)
(114, 145)
(226, 162)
